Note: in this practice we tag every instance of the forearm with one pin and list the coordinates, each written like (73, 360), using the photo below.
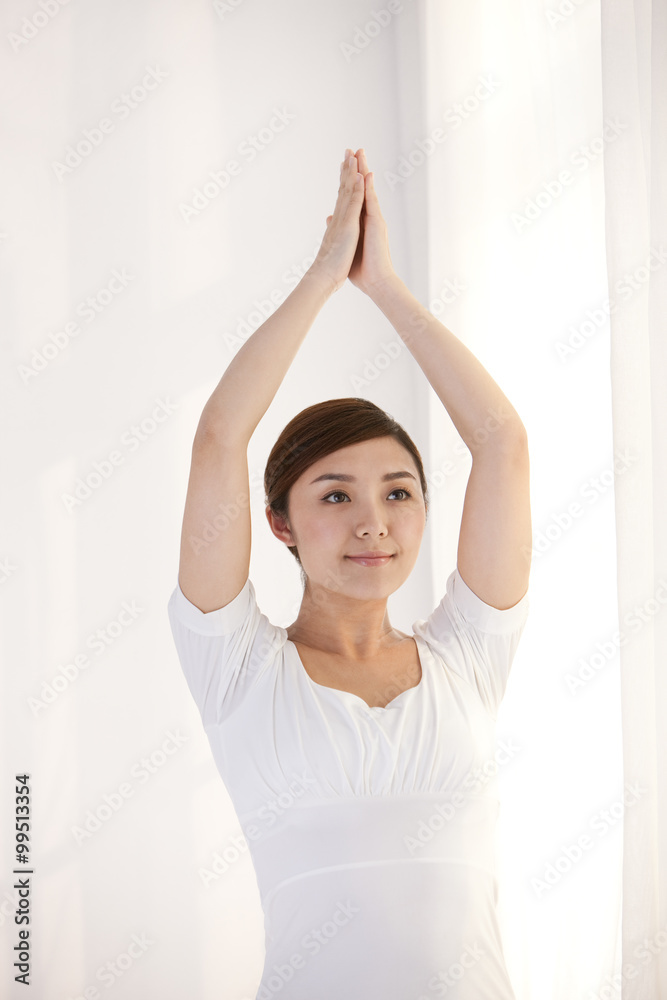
(479, 409)
(253, 376)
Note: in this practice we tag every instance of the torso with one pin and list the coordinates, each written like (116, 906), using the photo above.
(377, 683)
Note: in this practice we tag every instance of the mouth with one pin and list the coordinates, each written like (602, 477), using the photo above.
(370, 560)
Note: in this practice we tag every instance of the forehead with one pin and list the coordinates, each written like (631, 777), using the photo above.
(374, 457)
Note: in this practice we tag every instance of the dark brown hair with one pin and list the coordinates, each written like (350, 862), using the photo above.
(319, 430)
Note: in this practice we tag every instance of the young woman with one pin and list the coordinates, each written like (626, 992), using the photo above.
(359, 759)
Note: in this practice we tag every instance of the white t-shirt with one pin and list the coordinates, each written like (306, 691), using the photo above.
(371, 830)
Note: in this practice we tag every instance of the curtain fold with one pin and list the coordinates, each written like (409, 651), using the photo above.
(547, 212)
(634, 89)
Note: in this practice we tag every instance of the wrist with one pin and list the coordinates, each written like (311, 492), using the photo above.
(384, 287)
(318, 278)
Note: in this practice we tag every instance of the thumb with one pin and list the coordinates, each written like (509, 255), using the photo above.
(329, 218)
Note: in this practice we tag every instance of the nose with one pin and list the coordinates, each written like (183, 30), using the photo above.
(372, 522)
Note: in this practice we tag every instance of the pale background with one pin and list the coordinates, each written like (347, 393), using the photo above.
(517, 91)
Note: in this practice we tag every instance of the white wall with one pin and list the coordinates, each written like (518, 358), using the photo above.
(217, 77)
(166, 334)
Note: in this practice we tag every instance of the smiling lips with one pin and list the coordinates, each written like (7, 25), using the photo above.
(372, 558)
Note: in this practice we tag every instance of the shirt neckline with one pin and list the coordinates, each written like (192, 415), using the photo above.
(356, 697)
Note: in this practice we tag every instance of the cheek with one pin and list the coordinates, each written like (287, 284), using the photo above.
(413, 526)
(318, 529)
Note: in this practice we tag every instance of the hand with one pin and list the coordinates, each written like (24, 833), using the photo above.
(372, 262)
(342, 236)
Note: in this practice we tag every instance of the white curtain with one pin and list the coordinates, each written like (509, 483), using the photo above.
(516, 221)
(634, 88)
(168, 171)
(549, 196)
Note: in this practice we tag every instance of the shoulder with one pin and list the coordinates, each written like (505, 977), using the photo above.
(461, 609)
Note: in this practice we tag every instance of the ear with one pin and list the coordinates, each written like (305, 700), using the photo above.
(279, 527)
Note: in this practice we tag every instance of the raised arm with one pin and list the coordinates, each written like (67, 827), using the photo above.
(216, 534)
(495, 540)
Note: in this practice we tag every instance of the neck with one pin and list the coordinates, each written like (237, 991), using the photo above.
(349, 627)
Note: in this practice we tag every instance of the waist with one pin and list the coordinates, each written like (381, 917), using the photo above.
(316, 836)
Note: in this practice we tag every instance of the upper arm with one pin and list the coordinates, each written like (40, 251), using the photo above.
(495, 541)
(215, 539)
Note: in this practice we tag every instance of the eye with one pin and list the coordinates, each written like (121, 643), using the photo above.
(337, 493)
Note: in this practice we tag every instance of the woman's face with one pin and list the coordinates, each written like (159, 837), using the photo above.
(334, 519)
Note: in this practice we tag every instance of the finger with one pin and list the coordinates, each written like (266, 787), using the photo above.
(348, 168)
(363, 170)
(362, 161)
(350, 192)
(357, 187)
(349, 184)
(352, 205)
(371, 199)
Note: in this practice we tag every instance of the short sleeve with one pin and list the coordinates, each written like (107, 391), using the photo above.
(474, 639)
(223, 653)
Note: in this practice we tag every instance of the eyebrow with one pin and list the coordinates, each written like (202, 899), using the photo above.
(341, 477)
